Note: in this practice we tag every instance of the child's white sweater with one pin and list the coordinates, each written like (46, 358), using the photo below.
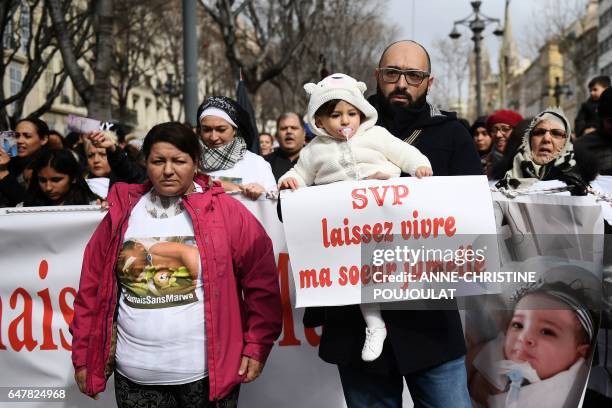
(372, 149)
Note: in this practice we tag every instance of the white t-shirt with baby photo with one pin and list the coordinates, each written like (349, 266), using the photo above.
(161, 330)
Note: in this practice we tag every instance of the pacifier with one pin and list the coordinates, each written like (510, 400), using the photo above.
(346, 132)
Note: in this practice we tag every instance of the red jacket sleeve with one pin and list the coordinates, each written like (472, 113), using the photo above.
(85, 301)
(257, 274)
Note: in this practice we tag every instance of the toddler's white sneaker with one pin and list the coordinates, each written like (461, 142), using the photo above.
(373, 345)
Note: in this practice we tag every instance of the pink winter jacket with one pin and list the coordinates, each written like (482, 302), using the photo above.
(241, 292)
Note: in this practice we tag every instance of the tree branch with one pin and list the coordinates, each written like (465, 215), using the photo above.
(81, 84)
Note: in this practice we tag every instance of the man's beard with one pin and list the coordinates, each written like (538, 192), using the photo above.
(411, 103)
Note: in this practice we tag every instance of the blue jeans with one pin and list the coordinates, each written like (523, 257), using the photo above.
(438, 387)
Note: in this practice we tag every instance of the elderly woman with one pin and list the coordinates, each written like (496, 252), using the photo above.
(546, 153)
(226, 133)
(179, 289)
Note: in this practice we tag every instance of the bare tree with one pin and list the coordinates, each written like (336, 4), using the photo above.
(558, 15)
(136, 30)
(96, 94)
(261, 38)
(451, 59)
(350, 40)
(26, 31)
(166, 78)
(576, 37)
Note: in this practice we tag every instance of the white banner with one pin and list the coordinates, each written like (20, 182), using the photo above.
(41, 255)
(345, 237)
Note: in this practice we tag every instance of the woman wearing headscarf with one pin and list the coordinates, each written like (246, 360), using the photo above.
(546, 153)
(225, 133)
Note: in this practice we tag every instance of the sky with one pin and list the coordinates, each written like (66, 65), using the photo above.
(434, 20)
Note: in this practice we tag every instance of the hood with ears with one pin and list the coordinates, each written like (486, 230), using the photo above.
(343, 87)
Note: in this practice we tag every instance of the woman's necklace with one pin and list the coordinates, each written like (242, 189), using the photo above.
(163, 207)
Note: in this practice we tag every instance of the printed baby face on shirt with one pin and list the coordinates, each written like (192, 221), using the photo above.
(158, 273)
(545, 333)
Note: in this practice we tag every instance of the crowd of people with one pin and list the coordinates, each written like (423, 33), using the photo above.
(232, 284)
(508, 148)
(512, 147)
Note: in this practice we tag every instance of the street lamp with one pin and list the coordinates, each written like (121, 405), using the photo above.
(477, 22)
(558, 91)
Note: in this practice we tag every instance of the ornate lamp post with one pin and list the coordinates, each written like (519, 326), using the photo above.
(477, 22)
(558, 90)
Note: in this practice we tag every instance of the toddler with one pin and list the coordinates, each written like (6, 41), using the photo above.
(348, 146)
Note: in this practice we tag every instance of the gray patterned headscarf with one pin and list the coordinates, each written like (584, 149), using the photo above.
(523, 165)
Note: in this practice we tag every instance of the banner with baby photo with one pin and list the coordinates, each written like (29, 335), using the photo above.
(531, 345)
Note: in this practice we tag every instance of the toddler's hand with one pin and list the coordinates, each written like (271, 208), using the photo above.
(288, 183)
(423, 171)
(379, 175)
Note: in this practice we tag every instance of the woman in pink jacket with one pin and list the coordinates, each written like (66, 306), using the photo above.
(179, 290)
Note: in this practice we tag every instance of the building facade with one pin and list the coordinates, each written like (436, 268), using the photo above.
(604, 37)
(560, 72)
(155, 98)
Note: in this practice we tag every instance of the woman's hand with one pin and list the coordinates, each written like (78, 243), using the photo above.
(99, 139)
(423, 171)
(103, 204)
(252, 190)
(289, 182)
(250, 368)
(79, 378)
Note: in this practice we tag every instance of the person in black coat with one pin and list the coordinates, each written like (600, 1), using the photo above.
(597, 146)
(424, 345)
(587, 119)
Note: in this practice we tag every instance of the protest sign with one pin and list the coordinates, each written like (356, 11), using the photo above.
(80, 124)
(347, 238)
(41, 257)
(8, 142)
